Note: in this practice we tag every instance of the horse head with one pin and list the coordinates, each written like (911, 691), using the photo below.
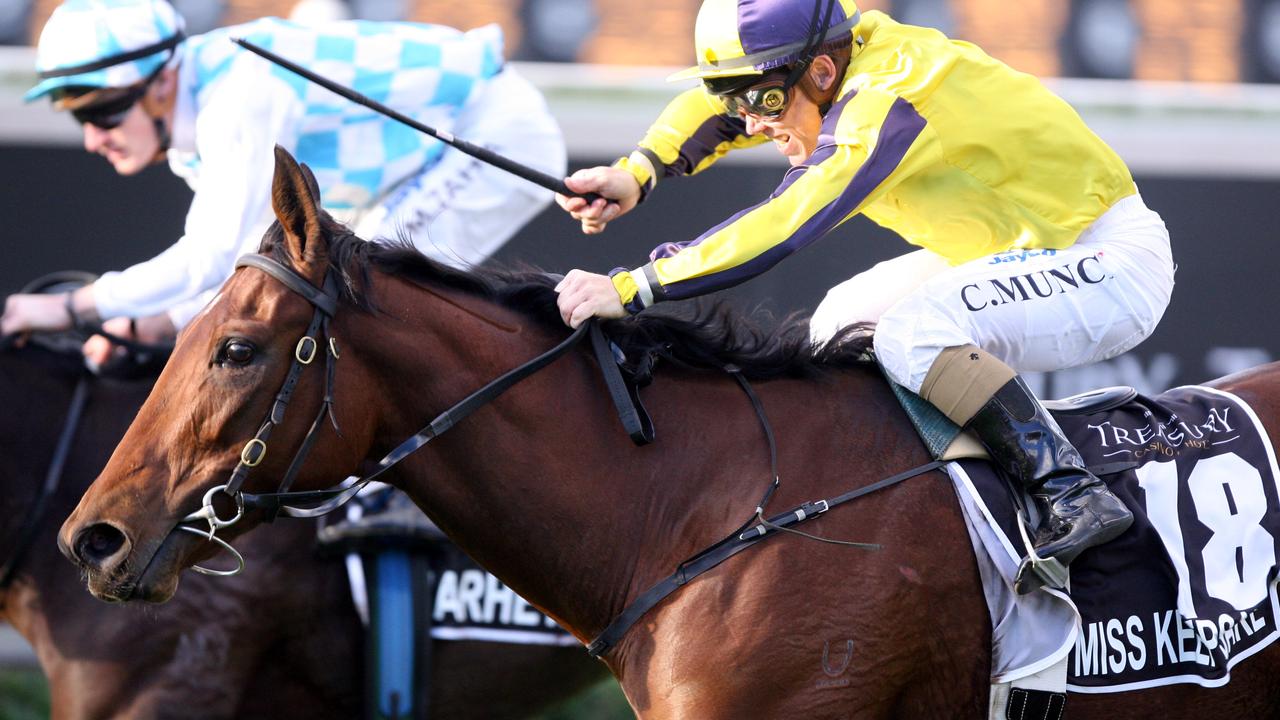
(190, 435)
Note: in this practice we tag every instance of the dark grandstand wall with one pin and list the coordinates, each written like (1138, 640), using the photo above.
(64, 209)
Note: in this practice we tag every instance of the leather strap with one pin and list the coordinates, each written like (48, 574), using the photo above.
(1028, 704)
(626, 397)
(438, 426)
(727, 548)
(326, 303)
(635, 420)
(52, 478)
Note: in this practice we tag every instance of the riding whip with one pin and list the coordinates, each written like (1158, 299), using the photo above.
(537, 177)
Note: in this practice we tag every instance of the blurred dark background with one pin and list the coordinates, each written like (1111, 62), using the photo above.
(1196, 40)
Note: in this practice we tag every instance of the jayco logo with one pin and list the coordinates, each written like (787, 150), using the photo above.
(1032, 285)
(1019, 255)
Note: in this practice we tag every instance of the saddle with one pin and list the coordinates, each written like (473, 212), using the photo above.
(1188, 590)
(947, 441)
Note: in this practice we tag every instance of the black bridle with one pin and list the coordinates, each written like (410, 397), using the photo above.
(325, 302)
(310, 504)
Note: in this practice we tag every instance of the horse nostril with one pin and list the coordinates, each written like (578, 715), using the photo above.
(97, 543)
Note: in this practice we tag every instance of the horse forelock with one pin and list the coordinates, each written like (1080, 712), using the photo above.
(704, 334)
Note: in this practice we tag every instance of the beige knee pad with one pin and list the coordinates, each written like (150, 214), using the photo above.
(962, 380)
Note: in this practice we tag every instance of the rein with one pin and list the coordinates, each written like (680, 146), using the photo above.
(87, 329)
(310, 504)
(52, 478)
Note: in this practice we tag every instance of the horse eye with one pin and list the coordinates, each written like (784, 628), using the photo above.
(237, 352)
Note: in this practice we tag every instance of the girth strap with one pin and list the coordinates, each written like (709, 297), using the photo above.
(727, 548)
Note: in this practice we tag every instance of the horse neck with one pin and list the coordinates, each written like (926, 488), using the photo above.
(543, 487)
(526, 485)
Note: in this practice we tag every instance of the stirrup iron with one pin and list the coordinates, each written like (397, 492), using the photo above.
(1051, 572)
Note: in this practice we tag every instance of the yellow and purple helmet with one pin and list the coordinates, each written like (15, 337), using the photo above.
(750, 37)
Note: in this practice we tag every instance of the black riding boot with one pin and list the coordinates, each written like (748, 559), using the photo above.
(1077, 510)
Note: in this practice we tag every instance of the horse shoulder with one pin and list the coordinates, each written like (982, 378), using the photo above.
(1260, 388)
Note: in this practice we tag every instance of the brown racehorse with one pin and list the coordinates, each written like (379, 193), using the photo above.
(242, 647)
(542, 488)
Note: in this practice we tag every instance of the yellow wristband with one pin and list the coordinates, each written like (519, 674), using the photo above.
(640, 166)
(625, 285)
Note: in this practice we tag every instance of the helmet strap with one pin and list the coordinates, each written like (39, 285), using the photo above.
(159, 107)
(821, 96)
(817, 31)
(164, 136)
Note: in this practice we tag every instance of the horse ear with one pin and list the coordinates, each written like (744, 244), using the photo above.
(311, 180)
(295, 199)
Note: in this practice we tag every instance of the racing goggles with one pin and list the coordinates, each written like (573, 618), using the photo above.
(767, 100)
(108, 114)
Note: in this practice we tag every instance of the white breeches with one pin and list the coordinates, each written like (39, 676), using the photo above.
(462, 210)
(1036, 310)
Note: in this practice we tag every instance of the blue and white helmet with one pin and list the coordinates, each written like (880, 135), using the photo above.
(105, 44)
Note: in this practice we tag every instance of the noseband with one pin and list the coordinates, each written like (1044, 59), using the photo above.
(310, 504)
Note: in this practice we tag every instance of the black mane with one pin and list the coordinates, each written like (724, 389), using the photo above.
(699, 333)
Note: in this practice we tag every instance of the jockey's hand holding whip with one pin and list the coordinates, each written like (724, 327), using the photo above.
(618, 190)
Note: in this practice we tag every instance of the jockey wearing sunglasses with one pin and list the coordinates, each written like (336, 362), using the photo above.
(108, 108)
(972, 162)
(144, 92)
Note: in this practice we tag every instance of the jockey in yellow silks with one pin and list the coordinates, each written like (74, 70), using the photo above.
(1036, 251)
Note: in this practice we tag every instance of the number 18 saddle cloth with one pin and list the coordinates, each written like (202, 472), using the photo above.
(1187, 592)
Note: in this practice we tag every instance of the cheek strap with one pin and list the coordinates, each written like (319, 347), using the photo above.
(159, 110)
(822, 98)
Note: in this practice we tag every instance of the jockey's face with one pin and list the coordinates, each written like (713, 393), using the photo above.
(119, 124)
(130, 146)
(795, 132)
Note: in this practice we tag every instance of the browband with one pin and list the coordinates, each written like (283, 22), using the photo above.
(327, 303)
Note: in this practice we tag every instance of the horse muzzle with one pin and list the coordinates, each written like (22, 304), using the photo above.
(98, 548)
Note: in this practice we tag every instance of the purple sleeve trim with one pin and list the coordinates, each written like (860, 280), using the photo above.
(900, 129)
(703, 142)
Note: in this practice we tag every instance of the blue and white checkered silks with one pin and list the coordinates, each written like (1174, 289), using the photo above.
(427, 72)
(90, 33)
